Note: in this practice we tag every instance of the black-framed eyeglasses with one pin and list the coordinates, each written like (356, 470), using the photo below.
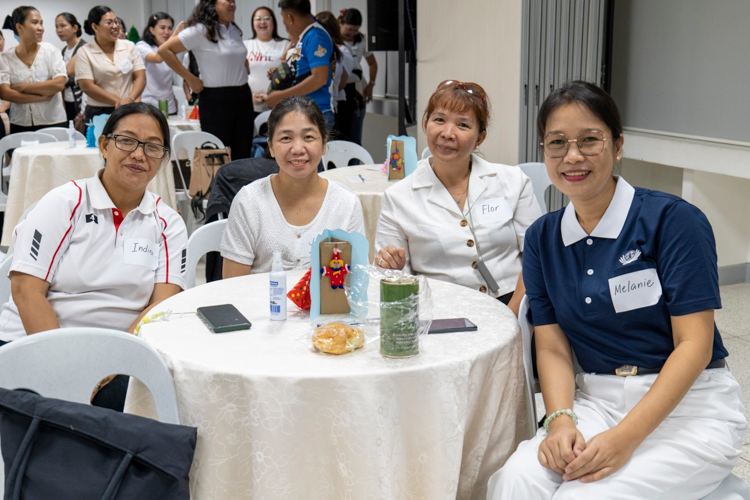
(590, 143)
(130, 144)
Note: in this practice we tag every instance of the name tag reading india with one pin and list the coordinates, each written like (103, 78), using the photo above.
(492, 211)
(635, 290)
(141, 252)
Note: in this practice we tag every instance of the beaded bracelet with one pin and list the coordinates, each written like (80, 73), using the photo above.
(557, 414)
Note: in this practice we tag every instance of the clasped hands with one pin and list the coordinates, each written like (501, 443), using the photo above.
(391, 257)
(566, 452)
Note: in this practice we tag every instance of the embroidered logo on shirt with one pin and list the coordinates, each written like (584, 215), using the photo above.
(35, 244)
(92, 218)
(321, 51)
(629, 257)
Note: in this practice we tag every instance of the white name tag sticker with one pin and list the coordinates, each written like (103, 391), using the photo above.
(125, 66)
(492, 211)
(42, 75)
(635, 290)
(141, 252)
(307, 241)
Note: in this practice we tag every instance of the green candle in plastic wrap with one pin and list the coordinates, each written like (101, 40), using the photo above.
(399, 317)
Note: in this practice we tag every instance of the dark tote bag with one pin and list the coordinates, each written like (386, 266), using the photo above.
(70, 451)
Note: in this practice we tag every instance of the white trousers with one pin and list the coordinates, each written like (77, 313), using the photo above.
(685, 458)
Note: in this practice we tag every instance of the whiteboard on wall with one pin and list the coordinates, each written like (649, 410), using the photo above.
(683, 66)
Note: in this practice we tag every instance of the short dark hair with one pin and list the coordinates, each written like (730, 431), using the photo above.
(301, 7)
(275, 34)
(71, 20)
(584, 94)
(18, 16)
(351, 16)
(138, 108)
(95, 17)
(153, 20)
(303, 105)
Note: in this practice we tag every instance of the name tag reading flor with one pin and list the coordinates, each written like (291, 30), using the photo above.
(635, 290)
(141, 252)
(492, 211)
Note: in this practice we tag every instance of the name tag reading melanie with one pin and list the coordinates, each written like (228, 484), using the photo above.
(635, 290)
(141, 252)
(492, 211)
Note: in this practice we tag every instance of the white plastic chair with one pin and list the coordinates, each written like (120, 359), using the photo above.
(4, 279)
(206, 238)
(13, 141)
(261, 120)
(61, 133)
(179, 95)
(340, 152)
(731, 488)
(426, 153)
(537, 172)
(69, 362)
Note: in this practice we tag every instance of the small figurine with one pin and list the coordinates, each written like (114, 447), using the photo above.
(337, 270)
(396, 162)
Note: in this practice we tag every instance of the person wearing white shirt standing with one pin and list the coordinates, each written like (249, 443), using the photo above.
(69, 31)
(225, 100)
(109, 71)
(264, 51)
(100, 252)
(159, 76)
(459, 218)
(286, 211)
(33, 75)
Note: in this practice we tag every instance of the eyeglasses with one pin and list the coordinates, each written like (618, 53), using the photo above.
(130, 144)
(469, 87)
(108, 23)
(262, 18)
(590, 143)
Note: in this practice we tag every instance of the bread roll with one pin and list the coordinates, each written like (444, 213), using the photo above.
(338, 338)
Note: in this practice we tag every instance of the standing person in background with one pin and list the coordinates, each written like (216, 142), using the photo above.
(123, 33)
(110, 71)
(4, 105)
(264, 51)
(226, 104)
(32, 75)
(343, 68)
(310, 60)
(159, 76)
(69, 31)
(351, 20)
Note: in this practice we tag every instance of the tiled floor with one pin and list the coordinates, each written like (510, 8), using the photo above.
(733, 322)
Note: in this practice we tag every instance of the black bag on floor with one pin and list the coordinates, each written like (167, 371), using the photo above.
(70, 451)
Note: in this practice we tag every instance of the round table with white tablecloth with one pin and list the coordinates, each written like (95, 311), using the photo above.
(369, 183)
(36, 170)
(278, 421)
(178, 124)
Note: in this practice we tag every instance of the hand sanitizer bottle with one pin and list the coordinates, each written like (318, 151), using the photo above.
(277, 281)
(71, 135)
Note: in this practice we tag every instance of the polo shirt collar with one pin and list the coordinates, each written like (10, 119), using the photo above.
(100, 199)
(95, 46)
(425, 177)
(611, 223)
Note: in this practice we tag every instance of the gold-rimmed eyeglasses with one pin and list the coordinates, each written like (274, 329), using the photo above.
(589, 143)
(130, 144)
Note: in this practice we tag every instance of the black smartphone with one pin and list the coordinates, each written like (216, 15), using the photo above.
(223, 318)
(452, 325)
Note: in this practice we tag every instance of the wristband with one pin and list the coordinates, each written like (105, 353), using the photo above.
(557, 414)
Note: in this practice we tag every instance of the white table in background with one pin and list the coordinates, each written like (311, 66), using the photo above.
(370, 193)
(178, 124)
(278, 421)
(39, 169)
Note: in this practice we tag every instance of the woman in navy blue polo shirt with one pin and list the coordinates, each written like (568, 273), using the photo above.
(626, 279)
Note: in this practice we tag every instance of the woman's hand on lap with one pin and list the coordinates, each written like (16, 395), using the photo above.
(391, 257)
(562, 445)
(605, 453)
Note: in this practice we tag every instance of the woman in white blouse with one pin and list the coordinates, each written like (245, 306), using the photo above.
(459, 218)
(159, 76)
(286, 211)
(69, 31)
(226, 104)
(264, 51)
(32, 75)
(109, 71)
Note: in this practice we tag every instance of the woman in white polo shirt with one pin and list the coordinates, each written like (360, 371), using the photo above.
(459, 218)
(32, 76)
(264, 51)
(159, 76)
(226, 103)
(100, 252)
(108, 70)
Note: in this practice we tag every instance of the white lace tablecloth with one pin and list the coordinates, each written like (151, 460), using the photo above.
(278, 421)
(370, 194)
(39, 169)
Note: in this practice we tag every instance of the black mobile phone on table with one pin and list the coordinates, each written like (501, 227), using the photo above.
(223, 318)
(452, 325)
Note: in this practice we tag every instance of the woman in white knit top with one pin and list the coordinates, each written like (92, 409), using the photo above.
(286, 211)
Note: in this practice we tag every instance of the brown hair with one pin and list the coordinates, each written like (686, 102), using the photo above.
(455, 98)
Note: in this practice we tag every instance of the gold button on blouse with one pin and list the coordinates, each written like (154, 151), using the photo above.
(470, 243)
(483, 289)
(464, 223)
(474, 265)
